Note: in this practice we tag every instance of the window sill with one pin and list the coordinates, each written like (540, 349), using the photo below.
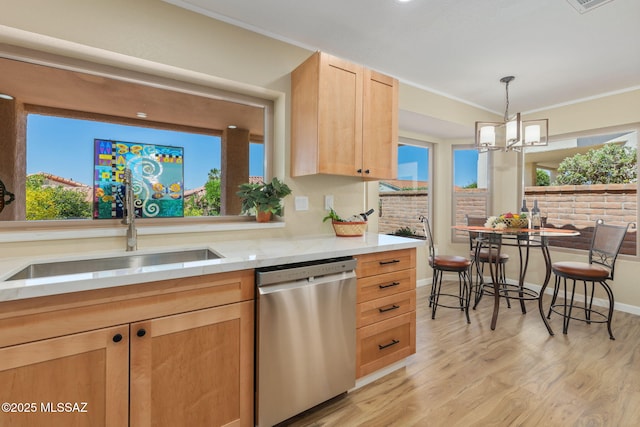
(69, 233)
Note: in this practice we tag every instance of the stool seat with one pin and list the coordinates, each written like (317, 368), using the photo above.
(580, 270)
(449, 262)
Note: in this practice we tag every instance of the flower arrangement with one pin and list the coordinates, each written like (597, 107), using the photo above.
(507, 220)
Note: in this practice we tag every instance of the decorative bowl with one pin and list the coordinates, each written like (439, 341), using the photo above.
(514, 222)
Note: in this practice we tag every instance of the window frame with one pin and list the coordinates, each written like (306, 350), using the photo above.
(18, 230)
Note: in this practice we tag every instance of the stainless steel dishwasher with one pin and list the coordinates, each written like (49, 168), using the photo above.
(305, 338)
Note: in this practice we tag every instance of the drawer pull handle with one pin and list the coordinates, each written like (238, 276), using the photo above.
(393, 307)
(393, 261)
(383, 346)
(389, 285)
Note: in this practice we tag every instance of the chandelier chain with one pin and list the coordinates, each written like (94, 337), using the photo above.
(506, 80)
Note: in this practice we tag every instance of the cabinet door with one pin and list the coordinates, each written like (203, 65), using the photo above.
(380, 126)
(75, 380)
(193, 369)
(340, 117)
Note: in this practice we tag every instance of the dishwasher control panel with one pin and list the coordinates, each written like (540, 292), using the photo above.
(303, 270)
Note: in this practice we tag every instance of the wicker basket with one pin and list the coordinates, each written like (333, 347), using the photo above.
(515, 222)
(349, 229)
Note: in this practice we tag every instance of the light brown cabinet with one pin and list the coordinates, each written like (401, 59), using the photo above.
(170, 353)
(344, 120)
(80, 380)
(385, 311)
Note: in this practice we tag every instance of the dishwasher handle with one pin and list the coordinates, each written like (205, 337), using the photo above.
(310, 281)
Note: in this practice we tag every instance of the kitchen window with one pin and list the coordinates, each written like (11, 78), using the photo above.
(58, 114)
(471, 190)
(403, 200)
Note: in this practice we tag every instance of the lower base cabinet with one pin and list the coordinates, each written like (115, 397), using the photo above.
(187, 369)
(193, 369)
(76, 380)
(386, 309)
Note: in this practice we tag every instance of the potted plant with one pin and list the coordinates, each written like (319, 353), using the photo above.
(263, 199)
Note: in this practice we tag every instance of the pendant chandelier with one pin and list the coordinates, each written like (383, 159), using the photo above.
(513, 133)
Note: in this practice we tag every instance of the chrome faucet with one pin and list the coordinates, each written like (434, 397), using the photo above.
(129, 212)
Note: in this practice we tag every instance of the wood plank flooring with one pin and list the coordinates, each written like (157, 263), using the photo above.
(517, 375)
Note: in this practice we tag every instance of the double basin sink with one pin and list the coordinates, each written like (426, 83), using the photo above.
(134, 260)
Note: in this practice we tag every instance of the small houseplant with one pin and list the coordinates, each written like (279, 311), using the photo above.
(263, 199)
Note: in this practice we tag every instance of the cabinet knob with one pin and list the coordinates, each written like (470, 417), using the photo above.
(117, 338)
(141, 332)
(367, 171)
(359, 171)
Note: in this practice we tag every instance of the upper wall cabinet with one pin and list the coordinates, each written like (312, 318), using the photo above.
(344, 120)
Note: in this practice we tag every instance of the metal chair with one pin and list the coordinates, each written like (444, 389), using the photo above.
(603, 252)
(480, 256)
(447, 263)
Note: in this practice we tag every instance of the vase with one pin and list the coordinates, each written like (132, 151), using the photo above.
(263, 216)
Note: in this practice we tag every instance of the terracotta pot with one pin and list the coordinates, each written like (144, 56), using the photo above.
(263, 216)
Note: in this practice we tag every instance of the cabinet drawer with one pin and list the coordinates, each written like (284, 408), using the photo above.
(384, 308)
(385, 262)
(385, 342)
(384, 285)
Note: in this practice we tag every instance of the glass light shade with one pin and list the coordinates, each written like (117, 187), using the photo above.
(536, 132)
(513, 130)
(488, 135)
(532, 134)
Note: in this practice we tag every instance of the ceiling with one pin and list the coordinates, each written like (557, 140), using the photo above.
(462, 48)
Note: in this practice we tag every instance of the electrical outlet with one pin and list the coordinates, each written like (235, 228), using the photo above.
(328, 202)
(302, 203)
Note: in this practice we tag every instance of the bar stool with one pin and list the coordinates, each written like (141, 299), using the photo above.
(447, 263)
(603, 252)
(480, 256)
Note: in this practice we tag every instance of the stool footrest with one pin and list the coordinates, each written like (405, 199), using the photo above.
(586, 313)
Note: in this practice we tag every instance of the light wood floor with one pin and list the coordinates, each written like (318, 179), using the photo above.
(517, 375)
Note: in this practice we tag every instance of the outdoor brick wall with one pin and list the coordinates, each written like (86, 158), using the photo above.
(472, 202)
(579, 206)
(399, 209)
(564, 206)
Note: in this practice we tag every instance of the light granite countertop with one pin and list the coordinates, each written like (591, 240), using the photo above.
(235, 255)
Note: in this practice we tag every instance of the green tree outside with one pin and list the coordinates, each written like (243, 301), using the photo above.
(49, 203)
(209, 203)
(542, 178)
(610, 164)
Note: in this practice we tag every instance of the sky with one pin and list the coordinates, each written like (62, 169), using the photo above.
(64, 147)
(465, 167)
(414, 161)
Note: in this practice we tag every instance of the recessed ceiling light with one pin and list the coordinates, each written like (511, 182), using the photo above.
(5, 96)
(141, 115)
(232, 127)
(402, 1)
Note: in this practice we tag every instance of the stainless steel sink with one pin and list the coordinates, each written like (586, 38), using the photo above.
(34, 271)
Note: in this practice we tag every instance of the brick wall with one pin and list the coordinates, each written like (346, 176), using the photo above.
(567, 206)
(579, 206)
(399, 209)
